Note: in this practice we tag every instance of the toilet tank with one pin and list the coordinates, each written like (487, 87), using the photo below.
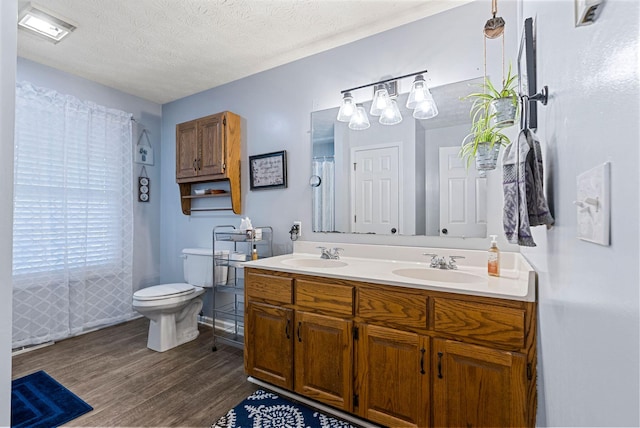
(198, 266)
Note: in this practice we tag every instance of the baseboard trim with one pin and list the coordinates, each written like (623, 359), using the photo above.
(311, 403)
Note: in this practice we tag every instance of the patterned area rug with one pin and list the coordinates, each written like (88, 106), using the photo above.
(265, 409)
(38, 401)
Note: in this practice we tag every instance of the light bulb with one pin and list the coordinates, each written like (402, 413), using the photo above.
(426, 109)
(391, 115)
(347, 108)
(359, 121)
(419, 92)
(380, 100)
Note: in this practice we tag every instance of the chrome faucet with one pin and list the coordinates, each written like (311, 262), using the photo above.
(331, 254)
(442, 263)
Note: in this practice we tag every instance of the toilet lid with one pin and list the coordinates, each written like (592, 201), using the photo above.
(163, 291)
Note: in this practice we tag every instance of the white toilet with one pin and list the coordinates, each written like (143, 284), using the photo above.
(173, 308)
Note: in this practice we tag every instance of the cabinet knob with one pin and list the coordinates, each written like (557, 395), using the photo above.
(439, 365)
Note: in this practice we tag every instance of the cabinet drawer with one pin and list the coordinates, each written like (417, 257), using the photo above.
(393, 307)
(335, 298)
(489, 323)
(268, 287)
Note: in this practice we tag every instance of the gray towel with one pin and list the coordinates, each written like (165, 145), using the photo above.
(537, 206)
(524, 201)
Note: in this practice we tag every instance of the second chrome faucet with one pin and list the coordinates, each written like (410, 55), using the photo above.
(330, 253)
(438, 262)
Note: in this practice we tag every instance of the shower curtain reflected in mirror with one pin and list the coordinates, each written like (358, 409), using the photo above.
(323, 195)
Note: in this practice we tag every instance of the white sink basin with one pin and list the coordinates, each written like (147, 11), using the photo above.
(314, 263)
(439, 275)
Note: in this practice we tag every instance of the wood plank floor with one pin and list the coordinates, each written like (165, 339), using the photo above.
(129, 385)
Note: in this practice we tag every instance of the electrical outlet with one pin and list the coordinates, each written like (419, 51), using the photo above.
(299, 224)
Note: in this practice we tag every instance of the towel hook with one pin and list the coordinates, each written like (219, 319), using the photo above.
(542, 96)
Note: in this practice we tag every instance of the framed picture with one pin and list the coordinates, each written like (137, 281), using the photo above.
(268, 171)
(527, 70)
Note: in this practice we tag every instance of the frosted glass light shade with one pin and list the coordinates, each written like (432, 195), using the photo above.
(347, 108)
(359, 120)
(391, 115)
(426, 109)
(380, 100)
(419, 92)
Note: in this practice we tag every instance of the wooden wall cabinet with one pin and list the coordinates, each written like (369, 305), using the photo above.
(397, 356)
(208, 150)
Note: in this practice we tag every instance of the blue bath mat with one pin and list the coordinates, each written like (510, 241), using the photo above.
(37, 400)
(267, 410)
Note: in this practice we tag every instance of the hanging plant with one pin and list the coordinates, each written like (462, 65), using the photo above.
(501, 104)
(483, 143)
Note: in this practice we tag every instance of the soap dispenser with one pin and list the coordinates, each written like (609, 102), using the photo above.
(493, 262)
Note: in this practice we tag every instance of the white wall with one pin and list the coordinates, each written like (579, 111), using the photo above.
(8, 28)
(146, 241)
(588, 294)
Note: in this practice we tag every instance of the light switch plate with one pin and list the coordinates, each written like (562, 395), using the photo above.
(593, 204)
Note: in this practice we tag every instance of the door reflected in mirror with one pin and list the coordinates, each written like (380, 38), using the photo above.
(403, 179)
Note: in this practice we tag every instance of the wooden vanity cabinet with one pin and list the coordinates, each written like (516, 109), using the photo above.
(269, 328)
(269, 353)
(207, 150)
(393, 377)
(397, 356)
(323, 362)
(478, 386)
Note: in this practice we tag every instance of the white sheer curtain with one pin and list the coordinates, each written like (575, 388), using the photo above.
(324, 195)
(73, 221)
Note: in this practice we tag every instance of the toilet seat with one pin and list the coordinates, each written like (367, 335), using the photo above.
(164, 291)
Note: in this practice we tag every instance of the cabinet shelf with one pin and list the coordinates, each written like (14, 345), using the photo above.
(209, 195)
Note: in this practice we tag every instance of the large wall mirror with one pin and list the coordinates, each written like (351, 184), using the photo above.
(403, 179)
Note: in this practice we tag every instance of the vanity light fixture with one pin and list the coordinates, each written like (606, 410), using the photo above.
(381, 100)
(43, 24)
(385, 105)
(391, 114)
(347, 108)
(359, 120)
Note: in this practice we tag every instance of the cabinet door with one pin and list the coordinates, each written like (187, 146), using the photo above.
(186, 150)
(324, 359)
(212, 145)
(393, 377)
(268, 344)
(474, 386)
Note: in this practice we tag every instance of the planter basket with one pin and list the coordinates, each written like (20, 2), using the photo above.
(504, 112)
(487, 156)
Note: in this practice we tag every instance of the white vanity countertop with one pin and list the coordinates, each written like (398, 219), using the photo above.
(376, 263)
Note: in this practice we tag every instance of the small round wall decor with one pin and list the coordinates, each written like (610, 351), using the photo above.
(143, 186)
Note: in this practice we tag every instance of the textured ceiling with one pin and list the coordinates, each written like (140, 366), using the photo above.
(162, 50)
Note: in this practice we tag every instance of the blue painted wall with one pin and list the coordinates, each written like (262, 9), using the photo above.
(276, 105)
